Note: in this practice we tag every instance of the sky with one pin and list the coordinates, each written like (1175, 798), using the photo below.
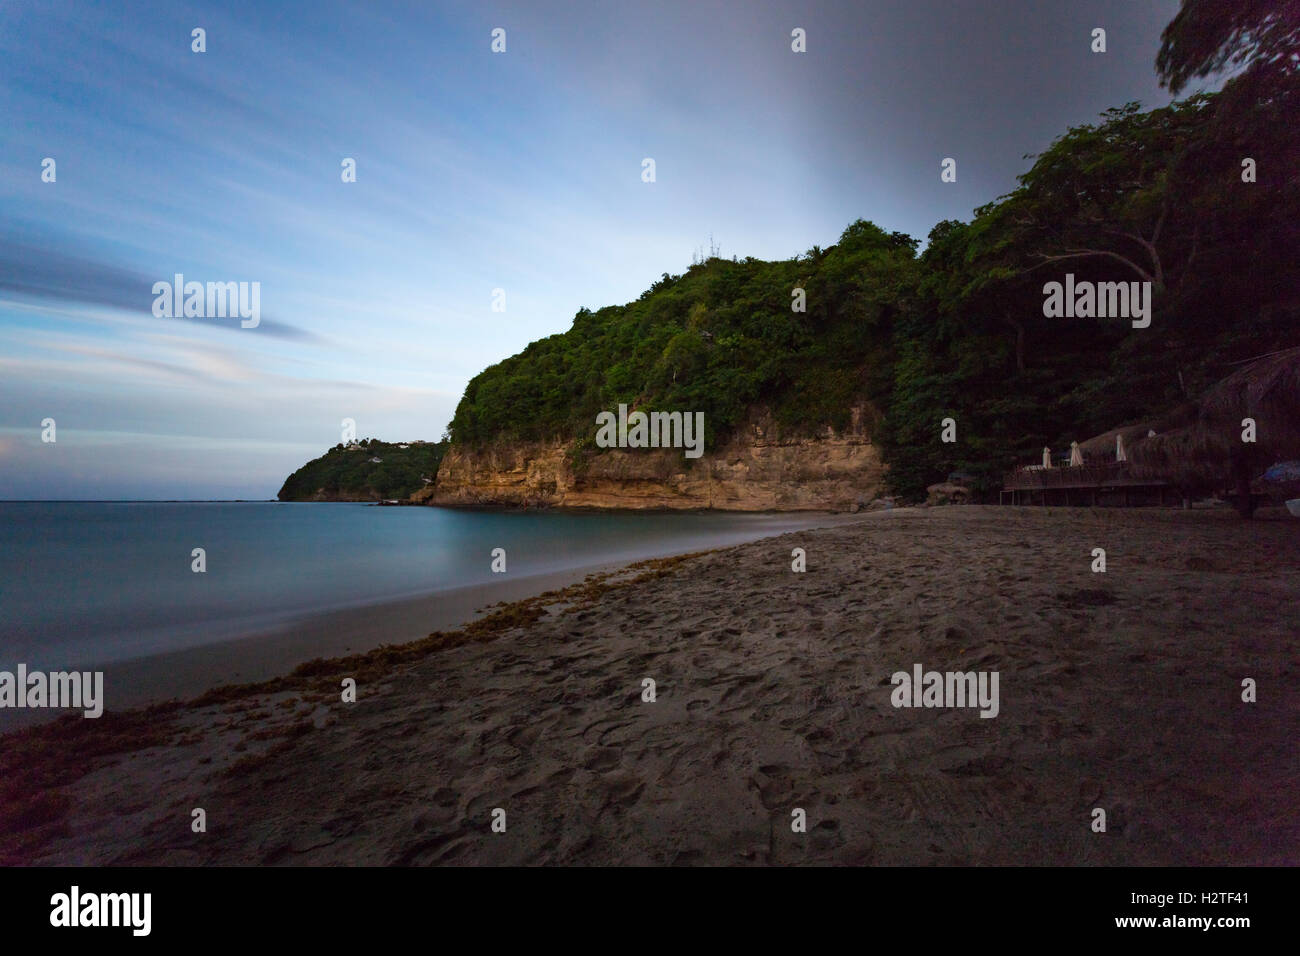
(476, 171)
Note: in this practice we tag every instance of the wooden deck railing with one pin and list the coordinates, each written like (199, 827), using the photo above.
(1113, 474)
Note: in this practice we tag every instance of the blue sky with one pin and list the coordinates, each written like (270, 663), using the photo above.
(475, 171)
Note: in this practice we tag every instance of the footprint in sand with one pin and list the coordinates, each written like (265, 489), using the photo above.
(602, 759)
(622, 789)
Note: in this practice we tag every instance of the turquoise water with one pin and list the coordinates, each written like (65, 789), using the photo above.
(84, 582)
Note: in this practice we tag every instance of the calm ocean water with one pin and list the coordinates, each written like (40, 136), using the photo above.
(84, 582)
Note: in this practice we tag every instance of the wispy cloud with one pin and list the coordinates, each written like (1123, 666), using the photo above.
(47, 273)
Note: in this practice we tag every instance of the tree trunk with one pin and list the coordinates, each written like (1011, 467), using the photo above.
(1020, 341)
(1245, 500)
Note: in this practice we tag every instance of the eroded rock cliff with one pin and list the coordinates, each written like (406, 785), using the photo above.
(756, 469)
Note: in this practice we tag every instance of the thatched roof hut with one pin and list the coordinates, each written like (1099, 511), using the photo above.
(1208, 453)
(1267, 390)
(1190, 458)
(1102, 447)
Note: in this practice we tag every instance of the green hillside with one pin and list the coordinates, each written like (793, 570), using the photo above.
(349, 474)
(716, 339)
(960, 332)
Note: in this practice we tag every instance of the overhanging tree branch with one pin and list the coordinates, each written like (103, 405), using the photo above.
(1085, 253)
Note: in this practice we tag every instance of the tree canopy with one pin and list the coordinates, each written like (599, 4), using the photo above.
(347, 473)
(718, 339)
(1207, 36)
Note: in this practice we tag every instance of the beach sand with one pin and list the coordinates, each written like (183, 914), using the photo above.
(1120, 691)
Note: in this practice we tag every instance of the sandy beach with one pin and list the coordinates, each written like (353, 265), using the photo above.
(260, 653)
(1119, 691)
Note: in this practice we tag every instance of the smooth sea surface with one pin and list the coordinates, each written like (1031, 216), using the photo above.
(91, 582)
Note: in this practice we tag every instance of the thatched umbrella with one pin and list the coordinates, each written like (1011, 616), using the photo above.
(1209, 454)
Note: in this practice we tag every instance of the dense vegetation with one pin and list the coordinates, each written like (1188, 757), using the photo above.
(348, 474)
(717, 339)
(959, 331)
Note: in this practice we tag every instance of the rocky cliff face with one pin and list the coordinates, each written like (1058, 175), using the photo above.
(755, 470)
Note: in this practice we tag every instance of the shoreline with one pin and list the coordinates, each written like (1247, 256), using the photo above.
(270, 653)
(649, 510)
(274, 650)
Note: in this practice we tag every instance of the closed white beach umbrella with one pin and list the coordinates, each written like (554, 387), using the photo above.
(1047, 458)
(1119, 449)
(1076, 456)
